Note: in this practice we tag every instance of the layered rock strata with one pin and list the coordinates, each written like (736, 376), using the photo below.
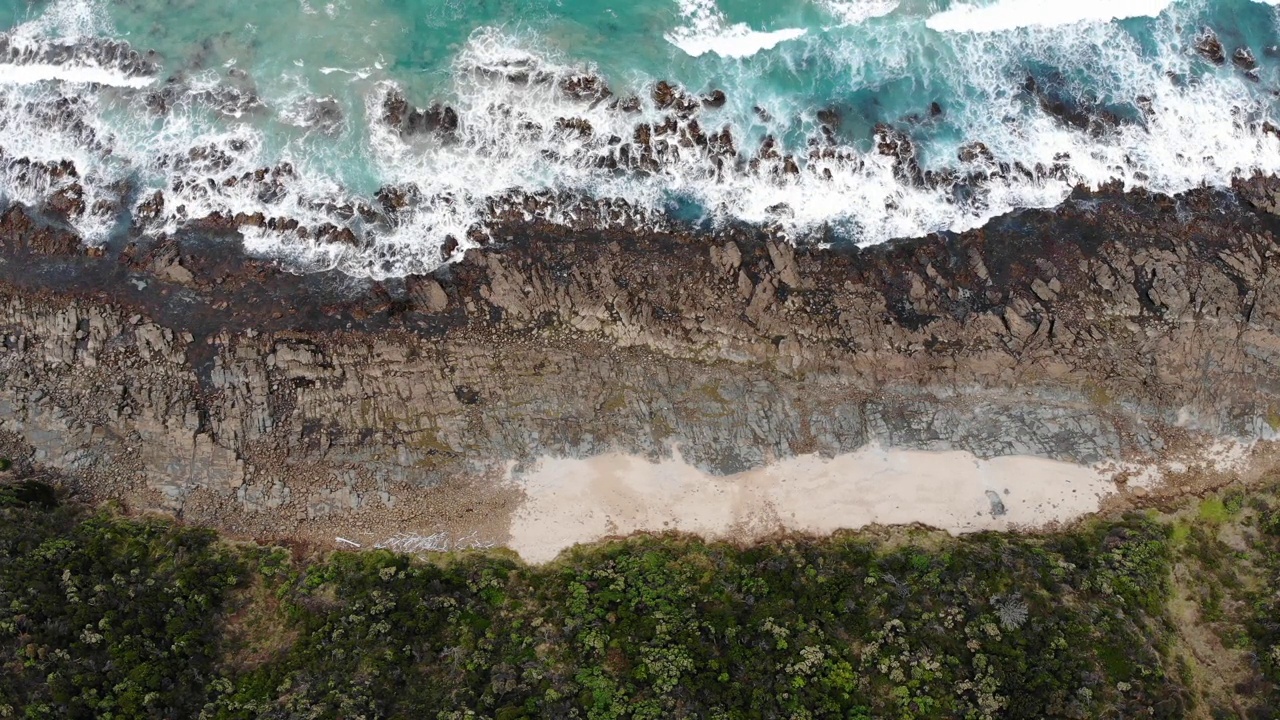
(181, 375)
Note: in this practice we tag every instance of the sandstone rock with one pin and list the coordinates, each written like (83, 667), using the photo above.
(431, 295)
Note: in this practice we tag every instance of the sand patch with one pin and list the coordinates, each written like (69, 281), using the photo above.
(569, 501)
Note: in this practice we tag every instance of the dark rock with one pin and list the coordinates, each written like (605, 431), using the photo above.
(394, 198)
(323, 114)
(449, 246)
(256, 219)
(1243, 58)
(692, 132)
(721, 144)
(643, 135)
(1057, 101)
(22, 233)
(395, 109)
(975, 152)
(435, 119)
(830, 117)
(1210, 47)
(67, 202)
(231, 101)
(151, 209)
(665, 95)
(585, 87)
(668, 97)
(768, 148)
(408, 120)
(158, 102)
(894, 143)
(997, 503)
(578, 126)
(102, 52)
(714, 99)
(329, 232)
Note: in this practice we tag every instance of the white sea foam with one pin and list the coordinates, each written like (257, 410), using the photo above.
(854, 12)
(709, 32)
(74, 74)
(512, 140)
(1013, 14)
(69, 19)
(358, 74)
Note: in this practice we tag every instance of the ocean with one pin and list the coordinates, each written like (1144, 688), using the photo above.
(385, 137)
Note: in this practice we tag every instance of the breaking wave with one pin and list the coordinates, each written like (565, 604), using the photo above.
(899, 121)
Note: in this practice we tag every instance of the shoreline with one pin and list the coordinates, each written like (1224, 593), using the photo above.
(185, 377)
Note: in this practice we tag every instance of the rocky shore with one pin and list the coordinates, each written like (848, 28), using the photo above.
(182, 375)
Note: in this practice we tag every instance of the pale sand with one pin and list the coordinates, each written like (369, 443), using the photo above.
(569, 501)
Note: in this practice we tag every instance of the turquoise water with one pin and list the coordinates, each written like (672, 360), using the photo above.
(1180, 120)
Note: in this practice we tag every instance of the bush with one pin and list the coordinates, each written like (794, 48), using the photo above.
(105, 616)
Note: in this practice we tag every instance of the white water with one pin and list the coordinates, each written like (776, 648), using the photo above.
(854, 12)
(78, 75)
(1202, 132)
(709, 32)
(1013, 14)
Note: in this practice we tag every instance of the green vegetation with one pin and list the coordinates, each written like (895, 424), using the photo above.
(1145, 616)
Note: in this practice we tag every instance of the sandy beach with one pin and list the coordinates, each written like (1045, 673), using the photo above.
(570, 501)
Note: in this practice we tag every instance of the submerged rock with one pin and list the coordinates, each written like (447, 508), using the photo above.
(319, 113)
(1082, 113)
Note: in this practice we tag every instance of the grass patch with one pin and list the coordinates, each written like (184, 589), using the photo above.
(1214, 510)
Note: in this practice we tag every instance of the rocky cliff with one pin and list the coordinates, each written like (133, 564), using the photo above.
(179, 374)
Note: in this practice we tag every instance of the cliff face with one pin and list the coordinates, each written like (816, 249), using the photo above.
(180, 375)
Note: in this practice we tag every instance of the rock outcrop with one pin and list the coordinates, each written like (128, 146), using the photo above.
(1117, 326)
